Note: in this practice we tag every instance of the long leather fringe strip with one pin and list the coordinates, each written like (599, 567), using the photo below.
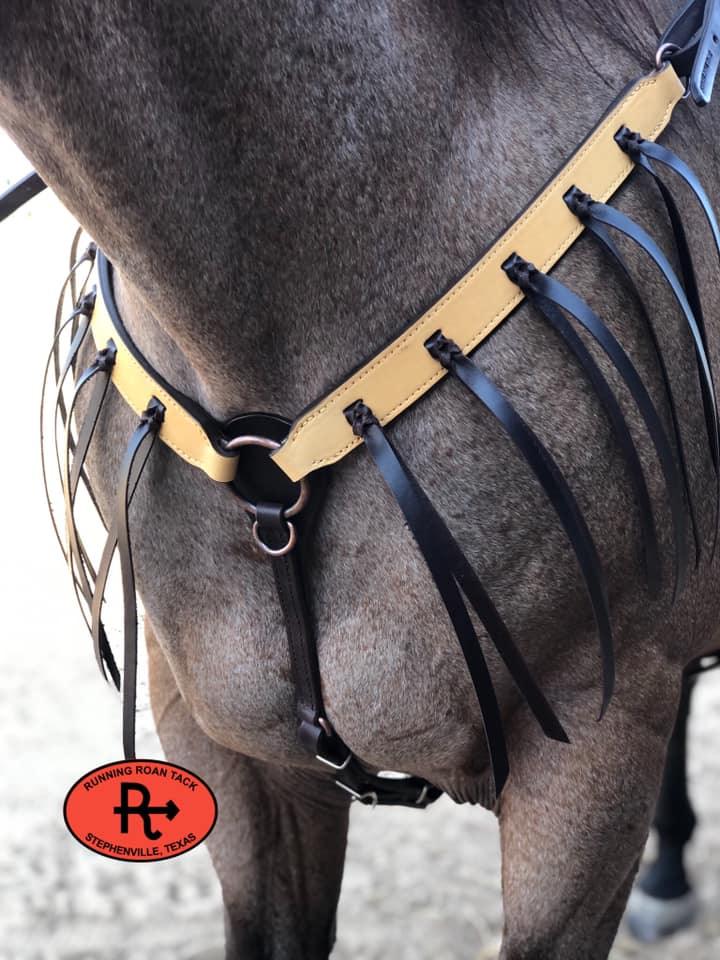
(452, 574)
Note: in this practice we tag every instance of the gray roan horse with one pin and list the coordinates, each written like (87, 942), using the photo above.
(282, 187)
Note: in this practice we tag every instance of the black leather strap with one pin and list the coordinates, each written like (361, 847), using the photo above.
(314, 730)
(543, 466)
(138, 450)
(677, 485)
(587, 210)
(641, 153)
(636, 148)
(59, 409)
(97, 373)
(452, 574)
(19, 193)
(695, 31)
(542, 289)
(83, 307)
(133, 464)
(591, 212)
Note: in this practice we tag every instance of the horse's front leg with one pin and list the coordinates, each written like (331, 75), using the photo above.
(663, 901)
(574, 820)
(279, 843)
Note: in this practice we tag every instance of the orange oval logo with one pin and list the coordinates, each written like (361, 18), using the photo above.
(140, 810)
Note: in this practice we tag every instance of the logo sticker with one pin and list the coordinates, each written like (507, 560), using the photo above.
(140, 810)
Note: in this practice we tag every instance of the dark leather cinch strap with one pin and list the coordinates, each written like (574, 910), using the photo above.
(315, 732)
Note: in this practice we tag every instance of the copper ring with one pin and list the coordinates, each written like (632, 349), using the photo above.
(280, 551)
(250, 440)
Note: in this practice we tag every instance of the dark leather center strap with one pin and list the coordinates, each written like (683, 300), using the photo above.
(258, 479)
(314, 731)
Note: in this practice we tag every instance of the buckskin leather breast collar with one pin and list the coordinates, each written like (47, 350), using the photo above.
(276, 468)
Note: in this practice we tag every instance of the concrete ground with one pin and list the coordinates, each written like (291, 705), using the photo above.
(418, 885)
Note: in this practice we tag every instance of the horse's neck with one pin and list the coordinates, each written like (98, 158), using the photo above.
(287, 191)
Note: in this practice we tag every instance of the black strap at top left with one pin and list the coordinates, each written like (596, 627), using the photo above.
(19, 193)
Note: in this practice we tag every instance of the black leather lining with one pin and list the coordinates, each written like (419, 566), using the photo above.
(211, 426)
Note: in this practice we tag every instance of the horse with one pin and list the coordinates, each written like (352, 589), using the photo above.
(282, 187)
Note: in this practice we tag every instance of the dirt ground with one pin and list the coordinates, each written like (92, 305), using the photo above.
(418, 885)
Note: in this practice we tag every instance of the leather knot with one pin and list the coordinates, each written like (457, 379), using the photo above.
(579, 202)
(520, 271)
(361, 418)
(442, 349)
(629, 141)
(86, 305)
(105, 358)
(153, 414)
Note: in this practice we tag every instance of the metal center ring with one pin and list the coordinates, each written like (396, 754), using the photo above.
(250, 440)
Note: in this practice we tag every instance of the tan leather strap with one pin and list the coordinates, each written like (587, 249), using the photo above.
(401, 373)
(179, 430)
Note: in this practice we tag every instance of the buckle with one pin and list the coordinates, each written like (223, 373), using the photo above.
(369, 799)
(423, 794)
(332, 764)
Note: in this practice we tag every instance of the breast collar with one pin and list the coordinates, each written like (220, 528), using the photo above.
(277, 468)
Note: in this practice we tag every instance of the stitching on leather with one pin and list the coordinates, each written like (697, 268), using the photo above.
(172, 405)
(424, 321)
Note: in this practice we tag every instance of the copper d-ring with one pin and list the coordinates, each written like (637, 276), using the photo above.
(250, 440)
(279, 551)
